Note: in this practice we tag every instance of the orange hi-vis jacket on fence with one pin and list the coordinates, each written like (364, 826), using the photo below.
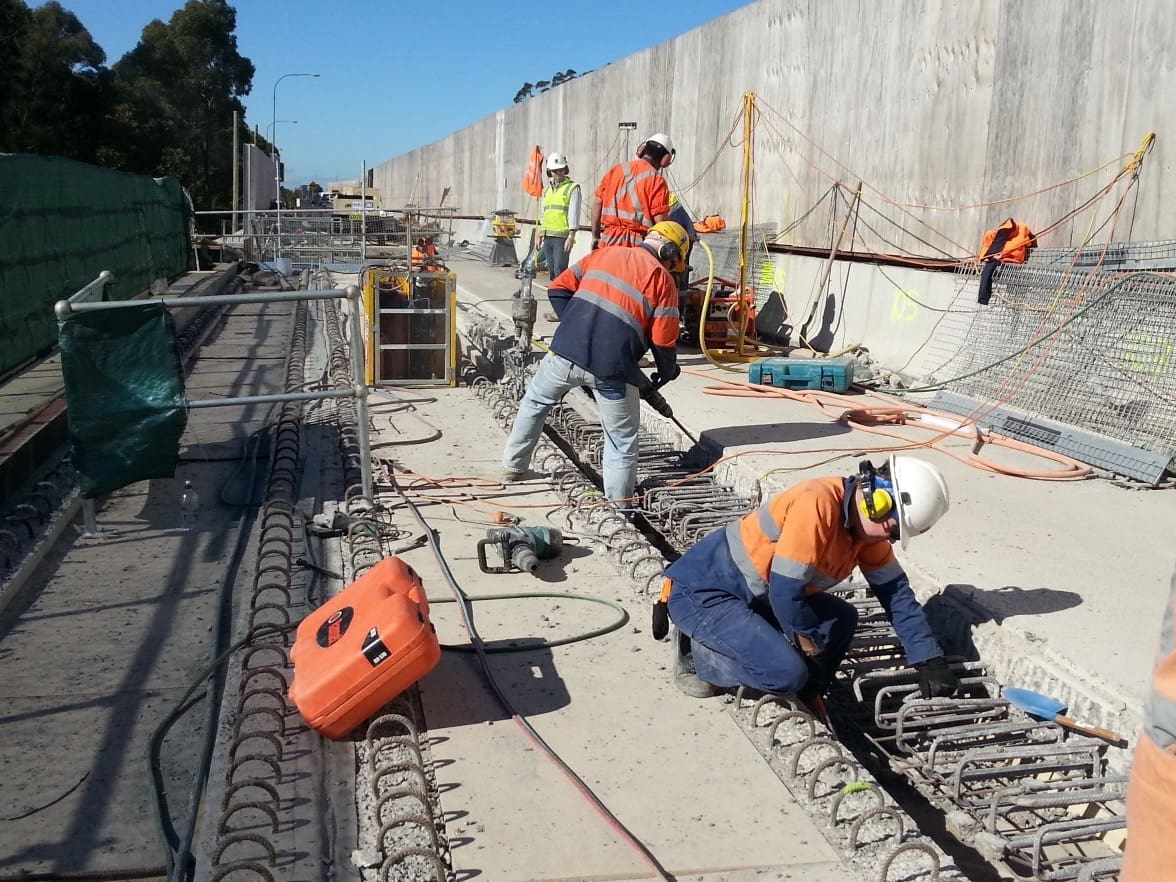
(631, 196)
(1151, 807)
(1010, 242)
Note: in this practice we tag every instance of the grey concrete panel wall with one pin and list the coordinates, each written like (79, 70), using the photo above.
(943, 110)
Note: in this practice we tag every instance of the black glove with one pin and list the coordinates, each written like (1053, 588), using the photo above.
(936, 679)
(661, 620)
(657, 380)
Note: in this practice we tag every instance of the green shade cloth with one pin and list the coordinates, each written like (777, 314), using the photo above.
(61, 223)
(124, 392)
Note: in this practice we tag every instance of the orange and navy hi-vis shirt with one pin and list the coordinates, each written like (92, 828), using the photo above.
(613, 305)
(631, 195)
(1151, 814)
(798, 543)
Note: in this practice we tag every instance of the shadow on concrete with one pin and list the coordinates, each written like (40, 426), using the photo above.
(957, 610)
(456, 693)
(771, 433)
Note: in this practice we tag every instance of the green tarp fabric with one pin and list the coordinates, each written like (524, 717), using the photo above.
(61, 223)
(124, 392)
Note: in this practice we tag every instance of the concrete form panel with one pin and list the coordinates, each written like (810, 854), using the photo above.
(943, 110)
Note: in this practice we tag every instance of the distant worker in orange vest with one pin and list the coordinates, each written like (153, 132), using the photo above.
(423, 252)
(1151, 813)
(632, 196)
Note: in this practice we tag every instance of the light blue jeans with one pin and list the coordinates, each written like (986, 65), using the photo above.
(620, 416)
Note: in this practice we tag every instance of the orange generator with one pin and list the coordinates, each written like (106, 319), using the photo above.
(362, 648)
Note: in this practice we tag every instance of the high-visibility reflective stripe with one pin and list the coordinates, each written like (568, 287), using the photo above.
(751, 577)
(603, 303)
(615, 211)
(793, 569)
(666, 312)
(883, 574)
(767, 524)
(635, 295)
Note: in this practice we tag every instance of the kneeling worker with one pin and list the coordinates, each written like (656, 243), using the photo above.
(749, 598)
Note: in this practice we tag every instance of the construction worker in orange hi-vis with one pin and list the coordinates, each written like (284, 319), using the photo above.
(632, 196)
(1151, 811)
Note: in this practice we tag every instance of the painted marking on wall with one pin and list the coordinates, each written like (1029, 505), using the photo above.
(1145, 353)
(903, 308)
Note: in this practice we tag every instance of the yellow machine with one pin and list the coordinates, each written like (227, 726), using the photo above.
(411, 328)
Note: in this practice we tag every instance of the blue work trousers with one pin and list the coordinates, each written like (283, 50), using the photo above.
(554, 254)
(735, 644)
(619, 405)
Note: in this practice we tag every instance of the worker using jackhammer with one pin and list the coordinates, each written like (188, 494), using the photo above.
(1151, 814)
(750, 599)
(633, 196)
(614, 305)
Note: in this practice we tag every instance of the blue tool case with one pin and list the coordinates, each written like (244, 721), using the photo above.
(829, 374)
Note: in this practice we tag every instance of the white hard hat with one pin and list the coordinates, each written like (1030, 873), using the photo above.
(920, 493)
(556, 160)
(662, 140)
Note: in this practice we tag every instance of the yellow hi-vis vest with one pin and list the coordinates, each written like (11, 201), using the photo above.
(555, 207)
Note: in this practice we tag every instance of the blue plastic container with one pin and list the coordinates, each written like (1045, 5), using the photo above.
(829, 374)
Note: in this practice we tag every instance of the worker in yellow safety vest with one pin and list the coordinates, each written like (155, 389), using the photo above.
(561, 215)
(1151, 815)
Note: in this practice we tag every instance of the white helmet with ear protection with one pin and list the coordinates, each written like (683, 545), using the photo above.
(920, 494)
(665, 148)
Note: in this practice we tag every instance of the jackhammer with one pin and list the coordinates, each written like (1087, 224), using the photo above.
(521, 548)
(651, 396)
(523, 308)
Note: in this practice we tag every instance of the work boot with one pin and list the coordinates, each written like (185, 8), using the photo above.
(685, 677)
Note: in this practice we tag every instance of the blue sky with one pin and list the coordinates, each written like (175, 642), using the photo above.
(394, 75)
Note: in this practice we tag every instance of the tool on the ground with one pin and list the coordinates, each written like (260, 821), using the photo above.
(657, 401)
(523, 308)
(521, 548)
(1048, 708)
(661, 612)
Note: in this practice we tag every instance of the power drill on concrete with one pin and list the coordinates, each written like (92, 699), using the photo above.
(521, 548)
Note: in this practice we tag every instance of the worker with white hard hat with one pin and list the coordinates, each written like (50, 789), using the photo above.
(633, 196)
(561, 214)
(751, 601)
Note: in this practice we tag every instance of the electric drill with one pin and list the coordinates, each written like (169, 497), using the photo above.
(521, 547)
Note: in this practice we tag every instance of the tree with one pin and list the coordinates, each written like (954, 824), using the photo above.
(176, 93)
(524, 92)
(57, 84)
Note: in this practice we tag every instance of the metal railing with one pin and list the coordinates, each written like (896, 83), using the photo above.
(63, 309)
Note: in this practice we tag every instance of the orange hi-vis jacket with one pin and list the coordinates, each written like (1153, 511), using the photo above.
(1009, 242)
(614, 304)
(631, 195)
(798, 543)
(1151, 810)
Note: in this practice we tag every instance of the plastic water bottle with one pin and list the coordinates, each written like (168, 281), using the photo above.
(189, 508)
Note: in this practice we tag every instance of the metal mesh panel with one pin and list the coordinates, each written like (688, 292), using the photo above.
(1087, 347)
(760, 273)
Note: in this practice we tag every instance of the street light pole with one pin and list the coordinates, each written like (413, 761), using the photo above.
(274, 157)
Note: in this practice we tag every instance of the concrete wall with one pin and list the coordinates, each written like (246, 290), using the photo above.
(952, 104)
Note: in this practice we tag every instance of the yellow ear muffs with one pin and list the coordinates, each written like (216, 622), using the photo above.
(876, 504)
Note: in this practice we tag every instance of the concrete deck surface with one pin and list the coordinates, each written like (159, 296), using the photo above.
(1061, 584)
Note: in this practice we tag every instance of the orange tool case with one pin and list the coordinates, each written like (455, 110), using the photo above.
(362, 648)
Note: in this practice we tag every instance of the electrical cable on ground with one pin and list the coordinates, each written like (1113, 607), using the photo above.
(479, 648)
